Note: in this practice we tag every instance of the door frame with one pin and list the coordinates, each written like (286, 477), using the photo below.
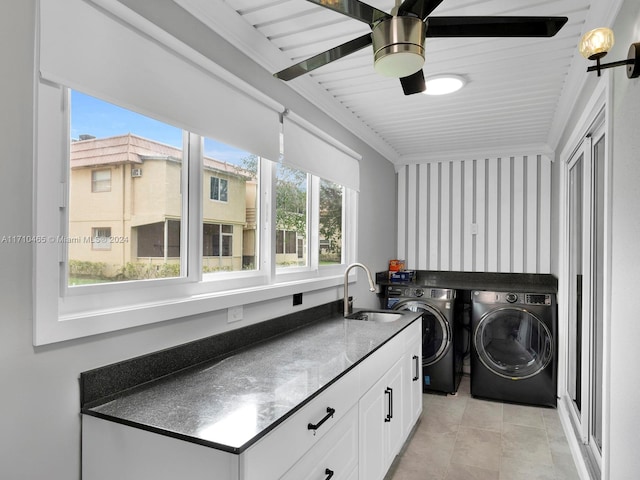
(595, 117)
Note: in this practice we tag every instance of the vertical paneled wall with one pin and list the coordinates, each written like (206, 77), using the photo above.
(486, 215)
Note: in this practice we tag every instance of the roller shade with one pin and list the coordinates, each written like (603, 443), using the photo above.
(318, 154)
(88, 50)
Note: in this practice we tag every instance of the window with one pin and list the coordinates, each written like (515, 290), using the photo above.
(230, 231)
(217, 240)
(101, 181)
(101, 238)
(218, 189)
(291, 216)
(195, 233)
(330, 222)
(141, 214)
(287, 242)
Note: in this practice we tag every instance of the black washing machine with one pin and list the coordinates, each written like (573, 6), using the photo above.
(441, 355)
(514, 347)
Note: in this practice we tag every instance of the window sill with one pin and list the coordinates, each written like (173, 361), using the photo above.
(62, 327)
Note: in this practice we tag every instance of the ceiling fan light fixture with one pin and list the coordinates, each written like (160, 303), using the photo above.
(398, 45)
(444, 84)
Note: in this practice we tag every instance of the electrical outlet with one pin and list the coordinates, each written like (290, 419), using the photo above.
(234, 314)
(297, 299)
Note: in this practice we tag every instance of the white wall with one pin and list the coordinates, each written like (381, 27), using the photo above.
(39, 394)
(624, 388)
(479, 215)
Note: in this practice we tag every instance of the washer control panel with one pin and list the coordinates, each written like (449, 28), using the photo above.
(512, 298)
(419, 292)
(407, 292)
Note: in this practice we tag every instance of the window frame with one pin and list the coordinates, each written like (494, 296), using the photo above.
(95, 183)
(94, 239)
(219, 190)
(62, 312)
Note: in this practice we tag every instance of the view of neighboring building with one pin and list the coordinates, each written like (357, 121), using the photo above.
(125, 196)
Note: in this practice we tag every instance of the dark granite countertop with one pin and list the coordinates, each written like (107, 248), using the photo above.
(232, 402)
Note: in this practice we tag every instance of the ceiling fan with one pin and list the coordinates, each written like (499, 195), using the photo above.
(398, 38)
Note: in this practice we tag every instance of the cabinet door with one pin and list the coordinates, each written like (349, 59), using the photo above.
(373, 406)
(395, 397)
(412, 405)
(381, 426)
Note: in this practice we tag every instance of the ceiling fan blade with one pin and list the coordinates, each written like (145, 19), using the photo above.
(323, 58)
(354, 9)
(414, 83)
(419, 8)
(494, 26)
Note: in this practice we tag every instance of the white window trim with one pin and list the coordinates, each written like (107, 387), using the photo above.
(220, 180)
(62, 313)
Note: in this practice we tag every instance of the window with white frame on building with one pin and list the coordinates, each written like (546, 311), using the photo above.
(101, 238)
(101, 181)
(219, 189)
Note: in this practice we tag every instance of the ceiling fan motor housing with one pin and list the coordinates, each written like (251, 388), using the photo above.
(398, 46)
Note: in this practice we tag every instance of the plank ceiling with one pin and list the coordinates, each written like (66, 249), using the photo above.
(512, 101)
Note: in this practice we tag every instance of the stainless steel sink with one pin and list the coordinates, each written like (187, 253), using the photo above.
(374, 316)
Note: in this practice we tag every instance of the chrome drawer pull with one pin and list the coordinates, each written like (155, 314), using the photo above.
(417, 377)
(314, 427)
(328, 473)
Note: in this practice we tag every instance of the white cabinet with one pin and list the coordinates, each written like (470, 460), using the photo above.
(381, 426)
(280, 449)
(390, 409)
(362, 420)
(413, 377)
(334, 457)
(113, 451)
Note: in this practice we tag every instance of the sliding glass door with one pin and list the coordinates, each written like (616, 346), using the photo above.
(586, 215)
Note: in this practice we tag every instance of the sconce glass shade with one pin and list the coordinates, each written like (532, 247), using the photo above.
(596, 43)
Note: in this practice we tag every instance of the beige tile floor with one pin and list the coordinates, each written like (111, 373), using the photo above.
(463, 438)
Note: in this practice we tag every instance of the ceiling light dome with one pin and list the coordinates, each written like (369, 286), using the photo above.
(444, 84)
(398, 46)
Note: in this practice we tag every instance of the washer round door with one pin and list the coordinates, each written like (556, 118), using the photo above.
(513, 343)
(436, 331)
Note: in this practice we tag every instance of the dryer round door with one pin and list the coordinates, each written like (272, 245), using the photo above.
(436, 331)
(513, 343)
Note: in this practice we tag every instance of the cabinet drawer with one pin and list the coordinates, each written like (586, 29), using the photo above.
(334, 456)
(376, 364)
(279, 450)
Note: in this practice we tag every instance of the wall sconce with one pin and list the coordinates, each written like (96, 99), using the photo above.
(595, 44)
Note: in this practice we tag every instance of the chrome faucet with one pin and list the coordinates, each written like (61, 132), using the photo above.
(372, 286)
